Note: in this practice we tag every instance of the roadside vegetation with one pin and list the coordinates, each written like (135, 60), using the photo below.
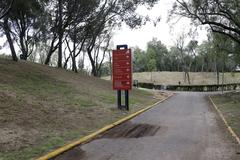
(42, 108)
(229, 105)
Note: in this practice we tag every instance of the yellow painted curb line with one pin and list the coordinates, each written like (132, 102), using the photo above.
(93, 135)
(225, 122)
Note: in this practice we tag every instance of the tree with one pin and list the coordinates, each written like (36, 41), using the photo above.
(222, 46)
(7, 32)
(159, 53)
(22, 25)
(6, 8)
(67, 28)
(139, 60)
(221, 16)
(113, 13)
(180, 45)
(174, 58)
(66, 18)
(105, 69)
(191, 50)
(205, 56)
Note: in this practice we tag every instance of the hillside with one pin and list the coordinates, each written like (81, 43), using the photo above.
(42, 107)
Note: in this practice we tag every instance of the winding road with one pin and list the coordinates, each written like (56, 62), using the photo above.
(184, 127)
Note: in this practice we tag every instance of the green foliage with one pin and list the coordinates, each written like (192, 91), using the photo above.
(151, 60)
(217, 54)
(105, 70)
(139, 60)
(158, 51)
(151, 65)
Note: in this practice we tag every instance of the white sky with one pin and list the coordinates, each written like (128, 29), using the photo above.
(140, 37)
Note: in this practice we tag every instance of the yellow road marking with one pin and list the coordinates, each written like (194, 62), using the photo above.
(225, 122)
(93, 135)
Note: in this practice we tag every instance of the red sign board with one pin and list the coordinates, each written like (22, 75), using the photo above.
(122, 69)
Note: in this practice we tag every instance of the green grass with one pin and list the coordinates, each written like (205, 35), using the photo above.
(229, 105)
(42, 108)
(44, 146)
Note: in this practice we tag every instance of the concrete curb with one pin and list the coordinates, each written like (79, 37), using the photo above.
(225, 122)
(93, 135)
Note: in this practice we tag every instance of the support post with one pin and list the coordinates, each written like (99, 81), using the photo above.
(119, 99)
(126, 100)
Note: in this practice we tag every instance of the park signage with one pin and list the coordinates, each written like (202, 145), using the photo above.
(122, 69)
(122, 72)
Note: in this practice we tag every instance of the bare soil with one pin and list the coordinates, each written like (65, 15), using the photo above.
(131, 130)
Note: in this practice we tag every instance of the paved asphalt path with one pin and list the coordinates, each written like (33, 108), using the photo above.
(184, 127)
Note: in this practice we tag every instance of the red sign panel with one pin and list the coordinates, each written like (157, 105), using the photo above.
(122, 69)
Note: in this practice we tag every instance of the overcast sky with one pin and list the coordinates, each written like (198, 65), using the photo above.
(140, 37)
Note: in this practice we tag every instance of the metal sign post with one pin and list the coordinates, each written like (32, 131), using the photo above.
(122, 73)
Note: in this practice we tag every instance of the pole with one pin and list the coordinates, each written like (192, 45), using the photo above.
(119, 99)
(126, 100)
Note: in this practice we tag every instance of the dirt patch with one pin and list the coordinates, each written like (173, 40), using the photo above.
(74, 154)
(130, 130)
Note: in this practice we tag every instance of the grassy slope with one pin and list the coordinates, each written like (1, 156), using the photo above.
(42, 108)
(175, 77)
(229, 105)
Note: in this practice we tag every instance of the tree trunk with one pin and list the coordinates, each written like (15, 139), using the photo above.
(217, 71)
(110, 63)
(24, 54)
(74, 66)
(186, 74)
(222, 79)
(60, 33)
(94, 69)
(47, 61)
(188, 77)
(202, 67)
(223, 67)
(9, 39)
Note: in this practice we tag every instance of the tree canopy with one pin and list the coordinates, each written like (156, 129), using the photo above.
(222, 16)
(66, 28)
